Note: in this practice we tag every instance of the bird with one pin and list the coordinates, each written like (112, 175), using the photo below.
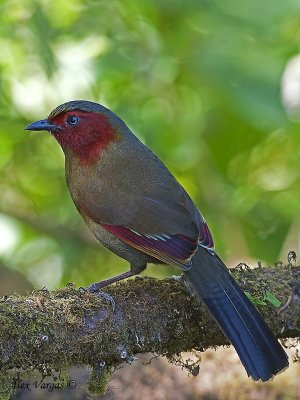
(137, 209)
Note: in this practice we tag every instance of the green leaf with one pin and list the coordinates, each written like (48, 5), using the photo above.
(256, 302)
(272, 299)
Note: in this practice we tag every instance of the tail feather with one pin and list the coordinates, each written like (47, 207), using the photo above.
(259, 350)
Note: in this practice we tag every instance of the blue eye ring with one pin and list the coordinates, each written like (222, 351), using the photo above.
(72, 120)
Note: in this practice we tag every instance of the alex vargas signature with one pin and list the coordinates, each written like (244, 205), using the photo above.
(56, 384)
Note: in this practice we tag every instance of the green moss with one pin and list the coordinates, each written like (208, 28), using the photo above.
(99, 380)
(54, 330)
(42, 312)
(6, 386)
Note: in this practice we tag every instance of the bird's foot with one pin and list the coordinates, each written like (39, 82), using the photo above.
(178, 278)
(182, 279)
(97, 286)
(93, 288)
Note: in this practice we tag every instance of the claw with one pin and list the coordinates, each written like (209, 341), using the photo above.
(93, 288)
(103, 295)
(182, 278)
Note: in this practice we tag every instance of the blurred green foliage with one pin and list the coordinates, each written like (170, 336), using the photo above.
(198, 81)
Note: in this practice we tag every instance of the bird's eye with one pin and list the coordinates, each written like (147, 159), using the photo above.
(72, 120)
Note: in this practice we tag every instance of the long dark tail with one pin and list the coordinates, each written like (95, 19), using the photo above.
(257, 347)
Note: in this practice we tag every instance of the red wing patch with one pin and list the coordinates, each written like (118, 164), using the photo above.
(171, 249)
(205, 239)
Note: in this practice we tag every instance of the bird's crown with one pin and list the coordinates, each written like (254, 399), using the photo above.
(82, 105)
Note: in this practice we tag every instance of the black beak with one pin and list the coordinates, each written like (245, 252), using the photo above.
(42, 125)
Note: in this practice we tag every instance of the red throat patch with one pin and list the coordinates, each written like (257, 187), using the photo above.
(88, 138)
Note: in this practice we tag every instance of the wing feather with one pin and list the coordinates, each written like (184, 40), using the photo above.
(171, 249)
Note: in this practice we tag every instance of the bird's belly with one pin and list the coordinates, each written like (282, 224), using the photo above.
(112, 243)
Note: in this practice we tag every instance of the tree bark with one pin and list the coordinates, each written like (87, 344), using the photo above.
(54, 330)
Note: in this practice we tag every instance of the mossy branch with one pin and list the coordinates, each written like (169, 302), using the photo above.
(53, 330)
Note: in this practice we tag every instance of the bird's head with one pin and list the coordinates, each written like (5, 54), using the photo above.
(82, 128)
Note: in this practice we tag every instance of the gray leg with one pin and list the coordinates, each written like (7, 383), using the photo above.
(95, 287)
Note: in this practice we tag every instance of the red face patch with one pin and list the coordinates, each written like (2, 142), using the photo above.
(85, 133)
